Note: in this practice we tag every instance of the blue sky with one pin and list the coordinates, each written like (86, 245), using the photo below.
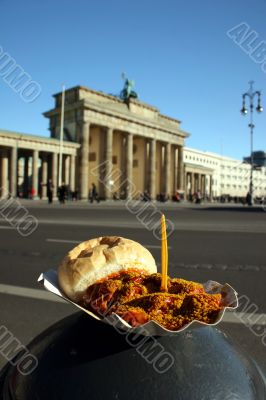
(177, 52)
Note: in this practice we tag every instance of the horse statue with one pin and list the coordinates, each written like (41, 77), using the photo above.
(128, 91)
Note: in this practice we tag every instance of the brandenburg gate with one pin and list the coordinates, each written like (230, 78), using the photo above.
(107, 141)
(139, 144)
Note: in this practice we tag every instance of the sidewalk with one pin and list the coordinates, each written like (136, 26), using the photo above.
(121, 204)
(105, 204)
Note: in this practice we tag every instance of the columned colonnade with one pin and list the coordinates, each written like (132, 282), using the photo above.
(198, 181)
(162, 174)
(27, 162)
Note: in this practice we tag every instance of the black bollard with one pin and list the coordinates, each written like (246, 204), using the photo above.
(80, 358)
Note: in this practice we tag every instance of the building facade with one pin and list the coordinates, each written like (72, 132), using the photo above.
(216, 175)
(259, 158)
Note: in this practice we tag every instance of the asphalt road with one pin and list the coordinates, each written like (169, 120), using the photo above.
(226, 244)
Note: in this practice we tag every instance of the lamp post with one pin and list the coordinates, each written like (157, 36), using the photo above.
(61, 137)
(251, 94)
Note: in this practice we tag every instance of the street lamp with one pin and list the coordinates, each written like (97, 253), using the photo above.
(251, 95)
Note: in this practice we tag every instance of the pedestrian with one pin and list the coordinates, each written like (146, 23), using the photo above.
(177, 196)
(32, 193)
(198, 197)
(249, 199)
(93, 194)
(62, 193)
(147, 196)
(49, 185)
(74, 195)
(115, 196)
(50, 188)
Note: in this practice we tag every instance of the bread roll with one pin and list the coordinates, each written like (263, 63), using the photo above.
(97, 258)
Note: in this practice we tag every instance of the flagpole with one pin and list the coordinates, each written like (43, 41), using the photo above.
(61, 136)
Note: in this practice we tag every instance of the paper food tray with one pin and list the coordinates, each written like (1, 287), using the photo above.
(151, 328)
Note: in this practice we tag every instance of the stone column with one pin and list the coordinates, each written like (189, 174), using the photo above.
(196, 182)
(26, 177)
(204, 185)
(72, 172)
(44, 177)
(187, 185)
(199, 182)
(207, 185)
(174, 161)
(211, 178)
(167, 169)
(153, 169)
(35, 187)
(4, 173)
(14, 171)
(109, 163)
(192, 183)
(180, 170)
(55, 172)
(84, 162)
(67, 169)
(146, 164)
(129, 163)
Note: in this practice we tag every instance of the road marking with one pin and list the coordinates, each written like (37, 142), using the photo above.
(37, 294)
(245, 318)
(63, 241)
(148, 246)
(29, 293)
(154, 246)
(6, 227)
